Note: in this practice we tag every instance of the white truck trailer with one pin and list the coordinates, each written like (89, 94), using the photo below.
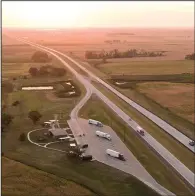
(102, 134)
(140, 130)
(115, 154)
(95, 122)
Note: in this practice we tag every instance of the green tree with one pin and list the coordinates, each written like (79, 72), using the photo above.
(7, 87)
(40, 57)
(34, 116)
(6, 120)
(33, 71)
(22, 137)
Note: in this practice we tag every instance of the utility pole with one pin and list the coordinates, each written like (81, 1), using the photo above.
(124, 133)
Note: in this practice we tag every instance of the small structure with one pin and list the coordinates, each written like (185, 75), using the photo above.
(57, 132)
(73, 145)
(55, 129)
(37, 88)
(71, 93)
(120, 83)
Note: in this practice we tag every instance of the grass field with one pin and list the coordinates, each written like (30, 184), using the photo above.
(99, 178)
(20, 180)
(147, 67)
(17, 54)
(181, 96)
(148, 159)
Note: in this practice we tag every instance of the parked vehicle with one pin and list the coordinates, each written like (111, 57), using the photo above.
(95, 122)
(84, 146)
(140, 131)
(115, 154)
(191, 143)
(68, 138)
(102, 134)
(86, 157)
(72, 154)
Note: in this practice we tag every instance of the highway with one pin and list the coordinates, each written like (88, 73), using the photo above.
(183, 139)
(164, 153)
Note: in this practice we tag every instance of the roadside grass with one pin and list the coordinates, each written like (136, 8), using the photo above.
(148, 67)
(19, 179)
(160, 171)
(17, 69)
(60, 145)
(178, 98)
(177, 149)
(99, 178)
(35, 135)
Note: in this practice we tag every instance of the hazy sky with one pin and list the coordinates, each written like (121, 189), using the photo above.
(97, 14)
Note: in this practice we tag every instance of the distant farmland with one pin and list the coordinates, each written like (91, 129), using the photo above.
(147, 68)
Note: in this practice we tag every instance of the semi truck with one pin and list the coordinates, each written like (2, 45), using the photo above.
(102, 134)
(115, 154)
(95, 122)
(140, 131)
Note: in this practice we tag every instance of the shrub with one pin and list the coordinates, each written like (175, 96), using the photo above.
(40, 57)
(33, 71)
(22, 137)
(15, 103)
(34, 116)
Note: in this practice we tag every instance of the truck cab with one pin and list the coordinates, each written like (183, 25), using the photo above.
(140, 131)
(191, 143)
(121, 157)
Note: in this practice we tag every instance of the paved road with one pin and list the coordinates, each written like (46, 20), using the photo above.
(173, 161)
(98, 148)
(161, 123)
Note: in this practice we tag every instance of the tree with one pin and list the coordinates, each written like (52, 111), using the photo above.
(40, 57)
(22, 137)
(43, 71)
(6, 119)
(190, 56)
(34, 116)
(15, 103)
(58, 72)
(33, 71)
(7, 87)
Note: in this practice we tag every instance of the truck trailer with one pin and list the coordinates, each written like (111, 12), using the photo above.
(103, 135)
(115, 154)
(95, 122)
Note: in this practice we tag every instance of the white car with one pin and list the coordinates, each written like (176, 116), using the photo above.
(191, 143)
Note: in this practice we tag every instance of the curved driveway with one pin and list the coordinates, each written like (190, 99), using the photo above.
(173, 161)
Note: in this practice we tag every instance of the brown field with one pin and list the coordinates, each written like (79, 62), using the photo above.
(177, 42)
(19, 179)
(179, 98)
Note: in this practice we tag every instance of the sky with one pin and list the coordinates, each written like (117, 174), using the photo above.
(72, 14)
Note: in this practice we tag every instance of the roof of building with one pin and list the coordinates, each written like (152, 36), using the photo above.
(58, 131)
